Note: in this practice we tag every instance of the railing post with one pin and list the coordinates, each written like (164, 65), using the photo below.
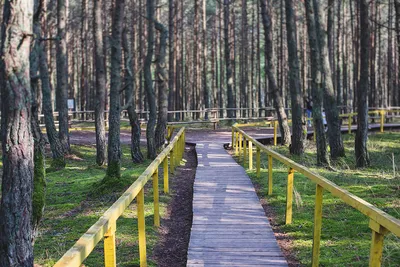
(237, 144)
(166, 178)
(258, 163)
(378, 234)
(275, 133)
(269, 175)
(382, 120)
(289, 197)
(110, 259)
(240, 145)
(156, 199)
(317, 225)
(244, 151)
(250, 155)
(233, 138)
(349, 124)
(141, 228)
(172, 161)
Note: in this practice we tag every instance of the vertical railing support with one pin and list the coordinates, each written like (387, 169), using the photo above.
(156, 197)
(166, 175)
(141, 228)
(269, 175)
(382, 113)
(110, 259)
(240, 145)
(258, 162)
(378, 234)
(275, 133)
(172, 161)
(237, 144)
(250, 155)
(317, 225)
(244, 151)
(233, 138)
(349, 123)
(289, 197)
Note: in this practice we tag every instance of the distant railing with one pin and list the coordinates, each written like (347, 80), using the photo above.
(380, 222)
(106, 226)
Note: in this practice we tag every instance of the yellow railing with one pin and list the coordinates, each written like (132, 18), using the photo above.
(106, 226)
(380, 222)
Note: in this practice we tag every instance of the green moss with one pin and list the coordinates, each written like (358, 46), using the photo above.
(57, 164)
(39, 187)
(113, 170)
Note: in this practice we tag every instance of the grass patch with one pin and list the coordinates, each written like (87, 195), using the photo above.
(72, 206)
(346, 237)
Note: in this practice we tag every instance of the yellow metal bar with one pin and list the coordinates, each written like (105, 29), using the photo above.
(314, 134)
(166, 176)
(141, 228)
(289, 197)
(250, 155)
(378, 234)
(349, 124)
(275, 133)
(382, 120)
(172, 161)
(269, 175)
(233, 139)
(317, 225)
(258, 163)
(237, 144)
(156, 199)
(110, 258)
(244, 151)
(240, 145)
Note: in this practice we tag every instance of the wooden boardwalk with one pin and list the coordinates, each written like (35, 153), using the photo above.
(230, 227)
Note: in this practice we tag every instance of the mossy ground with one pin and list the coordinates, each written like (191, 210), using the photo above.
(74, 203)
(346, 237)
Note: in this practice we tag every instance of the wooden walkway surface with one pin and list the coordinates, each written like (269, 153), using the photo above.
(229, 227)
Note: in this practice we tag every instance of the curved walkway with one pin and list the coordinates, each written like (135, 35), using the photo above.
(229, 227)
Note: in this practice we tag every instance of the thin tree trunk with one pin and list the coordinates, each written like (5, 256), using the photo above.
(206, 89)
(332, 112)
(148, 83)
(16, 247)
(228, 68)
(62, 73)
(100, 83)
(298, 125)
(162, 81)
(269, 69)
(114, 143)
(361, 150)
(317, 85)
(172, 58)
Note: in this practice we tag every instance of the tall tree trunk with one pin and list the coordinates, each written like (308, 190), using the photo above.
(269, 69)
(332, 112)
(162, 81)
(84, 70)
(148, 83)
(100, 83)
(17, 141)
(136, 153)
(62, 73)
(228, 67)
(114, 143)
(171, 59)
(317, 85)
(298, 125)
(206, 88)
(39, 182)
(361, 150)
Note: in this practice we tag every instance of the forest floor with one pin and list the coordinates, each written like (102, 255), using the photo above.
(346, 237)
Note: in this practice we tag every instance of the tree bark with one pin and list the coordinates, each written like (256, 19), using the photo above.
(148, 83)
(317, 85)
(206, 89)
(228, 67)
(298, 125)
(100, 83)
(162, 81)
(361, 150)
(114, 143)
(62, 73)
(269, 69)
(332, 112)
(171, 59)
(16, 247)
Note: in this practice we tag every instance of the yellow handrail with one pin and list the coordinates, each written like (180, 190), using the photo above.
(380, 222)
(106, 225)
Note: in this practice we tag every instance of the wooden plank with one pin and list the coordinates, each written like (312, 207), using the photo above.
(230, 227)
